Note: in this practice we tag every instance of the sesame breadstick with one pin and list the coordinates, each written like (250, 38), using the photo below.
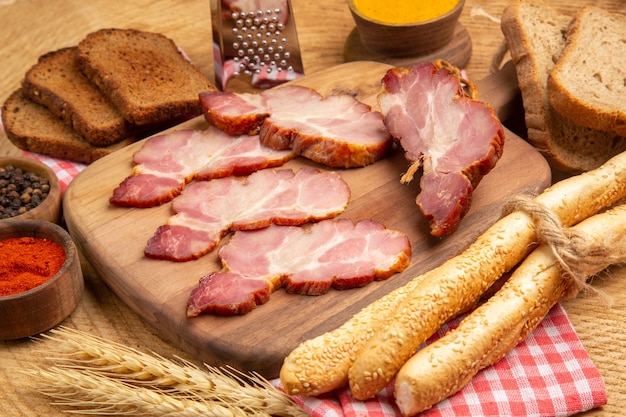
(493, 329)
(460, 281)
(322, 364)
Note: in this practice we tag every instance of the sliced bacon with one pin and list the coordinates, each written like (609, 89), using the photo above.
(207, 210)
(307, 261)
(338, 131)
(235, 113)
(456, 139)
(227, 294)
(166, 163)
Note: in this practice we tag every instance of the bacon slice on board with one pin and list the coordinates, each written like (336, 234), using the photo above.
(307, 261)
(456, 139)
(338, 131)
(166, 163)
(207, 210)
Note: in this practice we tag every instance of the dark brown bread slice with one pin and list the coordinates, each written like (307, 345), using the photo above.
(32, 127)
(144, 75)
(56, 83)
(588, 83)
(534, 33)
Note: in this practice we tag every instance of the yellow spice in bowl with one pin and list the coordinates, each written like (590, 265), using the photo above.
(404, 11)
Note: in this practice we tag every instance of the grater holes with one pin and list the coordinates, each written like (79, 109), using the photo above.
(258, 43)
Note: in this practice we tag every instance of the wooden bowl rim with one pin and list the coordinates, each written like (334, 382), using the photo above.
(460, 4)
(29, 227)
(38, 167)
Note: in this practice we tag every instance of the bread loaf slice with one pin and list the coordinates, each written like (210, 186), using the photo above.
(535, 36)
(56, 83)
(143, 74)
(588, 83)
(32, 127)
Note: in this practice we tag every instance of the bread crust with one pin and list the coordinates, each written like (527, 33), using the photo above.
(535, 36)
(143, 74)
(31, 127)
(588, 83)
(56, 83)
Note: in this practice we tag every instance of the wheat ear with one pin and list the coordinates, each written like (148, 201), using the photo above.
(80, 351)
(92, 393)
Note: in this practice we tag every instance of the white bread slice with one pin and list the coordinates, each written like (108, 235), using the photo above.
(588, 83)
(534, 32)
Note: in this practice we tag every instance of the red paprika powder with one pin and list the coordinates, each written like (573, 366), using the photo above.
(26, 262)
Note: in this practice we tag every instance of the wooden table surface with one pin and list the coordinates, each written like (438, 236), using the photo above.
(33, 27)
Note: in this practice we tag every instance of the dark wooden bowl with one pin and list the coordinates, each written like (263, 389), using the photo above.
(43, 307)
(405, 40)
(50, 208)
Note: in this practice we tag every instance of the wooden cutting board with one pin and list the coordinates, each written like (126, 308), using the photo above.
(112, 238)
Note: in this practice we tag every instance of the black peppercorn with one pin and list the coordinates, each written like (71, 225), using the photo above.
(20, 191)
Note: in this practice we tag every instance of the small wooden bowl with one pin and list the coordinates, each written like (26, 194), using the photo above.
(406, 40)
(43, 307)
(50, 208)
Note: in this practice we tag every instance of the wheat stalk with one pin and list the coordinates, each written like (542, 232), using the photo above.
(92, 393)
(180, 380)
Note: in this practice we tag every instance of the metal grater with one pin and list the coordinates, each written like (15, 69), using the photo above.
(255, 42)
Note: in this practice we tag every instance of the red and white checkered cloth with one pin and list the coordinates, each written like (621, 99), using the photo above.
(548, 374)
(65, 170)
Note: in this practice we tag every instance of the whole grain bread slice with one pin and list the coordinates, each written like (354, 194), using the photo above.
(32, 127)
(56, 83)
(144, 75)
(588, 83)
(535, 36)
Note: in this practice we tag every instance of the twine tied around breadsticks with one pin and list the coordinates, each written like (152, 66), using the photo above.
(579, 257)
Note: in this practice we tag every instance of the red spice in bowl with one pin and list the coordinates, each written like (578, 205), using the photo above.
(27, 262)
(32, 311)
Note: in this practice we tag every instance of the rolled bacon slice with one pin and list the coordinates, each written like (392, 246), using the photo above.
(338, 131)
(307, 261)
(456, 139)
(207, 210)
(166, 163)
